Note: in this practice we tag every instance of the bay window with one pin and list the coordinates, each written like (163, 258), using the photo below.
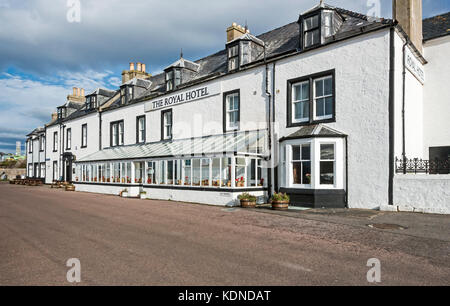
(301, 164)
(327, 164)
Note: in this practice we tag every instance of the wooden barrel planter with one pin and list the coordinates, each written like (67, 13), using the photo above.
(248, 204)
(70, 187)
(280, 205)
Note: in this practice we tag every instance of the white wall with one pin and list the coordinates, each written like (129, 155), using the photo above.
(362, 104)
(437, 94)
(421, 193)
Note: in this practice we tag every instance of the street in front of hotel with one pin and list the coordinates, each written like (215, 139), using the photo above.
(145, 242)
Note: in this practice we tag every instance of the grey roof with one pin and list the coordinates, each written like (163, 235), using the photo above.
(311, 131)
(436, 26)
(184, 63)
(103, 92)
(139, 82)
(36, 131)
(248, 142)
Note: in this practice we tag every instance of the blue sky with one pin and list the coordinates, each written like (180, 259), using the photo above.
(42, 55)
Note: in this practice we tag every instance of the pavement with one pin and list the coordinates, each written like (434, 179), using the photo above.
(146, 242)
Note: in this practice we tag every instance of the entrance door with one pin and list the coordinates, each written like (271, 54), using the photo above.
(36, 169)
(69, 170)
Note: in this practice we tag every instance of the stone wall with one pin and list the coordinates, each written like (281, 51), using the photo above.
(11, 173)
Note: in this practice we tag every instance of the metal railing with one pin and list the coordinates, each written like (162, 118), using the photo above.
(418, 166)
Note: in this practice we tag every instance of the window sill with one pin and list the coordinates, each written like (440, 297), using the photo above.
(313, 122)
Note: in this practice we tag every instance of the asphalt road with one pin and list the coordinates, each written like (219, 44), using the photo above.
(143, 242)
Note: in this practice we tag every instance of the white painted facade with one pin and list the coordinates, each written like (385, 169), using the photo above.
(358, 172)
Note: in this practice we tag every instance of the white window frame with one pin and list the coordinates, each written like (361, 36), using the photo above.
(327, 160)
(294, 102)
(315, 98)
(301, 161)
(230, 126)
(84, 135)
(168, 125)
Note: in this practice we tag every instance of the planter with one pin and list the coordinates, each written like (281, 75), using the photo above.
(143, 196)
(70, 188)
(280, 205)
(248, 204)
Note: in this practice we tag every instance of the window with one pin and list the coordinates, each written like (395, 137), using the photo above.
(30, 170)
(231, 110)
(55, 141)
(311, 99)
(166, 124)
(323, 98)
(84, 135)
(240, 172)
(226, 172)
(233, 57)
(91, 102)
(42, 143)
(140, 129)
(117, 134)
(327, 164)
(68, 139)
(173, 79)
(62, 112)
(30, 145)
(196, 172)
(169, 174)
(311, 31)
(187, 172)
(301, 164)
(206, 164)
(300, 101)
(42, 170)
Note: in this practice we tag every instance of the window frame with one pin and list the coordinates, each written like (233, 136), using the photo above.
(69, 139)
(55, 141)
(83, 143)
(303, 32)
(30, 146)
(301, 161)
(138, 140)
(237, 56)
(163, 124)
(327, 160)
(119, 136)
(226, 127)
(312, 108)
(42, 143)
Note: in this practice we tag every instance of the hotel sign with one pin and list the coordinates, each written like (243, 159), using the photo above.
(183, 97)
(414, 66)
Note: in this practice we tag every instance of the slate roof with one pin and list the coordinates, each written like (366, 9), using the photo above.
(311, 131)
(282, 40)
(436, 26)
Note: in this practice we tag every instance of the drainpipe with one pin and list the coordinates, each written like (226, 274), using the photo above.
(403, 107)
(269, 95)
(99, 130)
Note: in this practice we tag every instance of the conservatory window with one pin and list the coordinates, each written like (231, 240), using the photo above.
(138, 172)
(327, 164)
(301, 164)
(151, 173)
(177, 172)
(206, 163)
(215, 172)
(240, 172)
(196, 174)
(226, 172)
(187, 172)
(169, 174)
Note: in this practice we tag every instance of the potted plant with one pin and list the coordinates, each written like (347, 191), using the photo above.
(280, 201)
(143, 195)
(124, 193)
(247, 200)
(70, 187)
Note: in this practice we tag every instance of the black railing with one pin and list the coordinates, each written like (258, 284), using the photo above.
(416, 166)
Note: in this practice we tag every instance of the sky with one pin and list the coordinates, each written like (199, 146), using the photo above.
(45, 49)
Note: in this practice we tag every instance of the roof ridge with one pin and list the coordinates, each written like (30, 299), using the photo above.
(432, 17)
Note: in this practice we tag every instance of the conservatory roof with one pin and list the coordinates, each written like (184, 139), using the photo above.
(248, 142)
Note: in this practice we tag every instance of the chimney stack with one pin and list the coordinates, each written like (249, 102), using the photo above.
(139, 73)
(54, 116)
(77, 95)
(235, 31)
(408, 13)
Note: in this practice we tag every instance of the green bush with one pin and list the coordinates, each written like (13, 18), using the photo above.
(280, 197)
(247, 197)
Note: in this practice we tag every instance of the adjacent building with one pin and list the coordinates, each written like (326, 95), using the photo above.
(332, 109)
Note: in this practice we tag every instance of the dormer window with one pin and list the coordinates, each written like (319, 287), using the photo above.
(233, 57)
(311, 31)
(91, 102)
(318, 24)
(126, 94)
(61, 112)
(173, 79)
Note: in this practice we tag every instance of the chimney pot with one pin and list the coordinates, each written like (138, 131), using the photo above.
(74, 91)
(78, 92)
(139, 66)
(131, 66)
(82, 92)
(143, 67)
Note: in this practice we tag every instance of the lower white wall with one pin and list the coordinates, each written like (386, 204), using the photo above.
(179, 195)
(421, 193)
